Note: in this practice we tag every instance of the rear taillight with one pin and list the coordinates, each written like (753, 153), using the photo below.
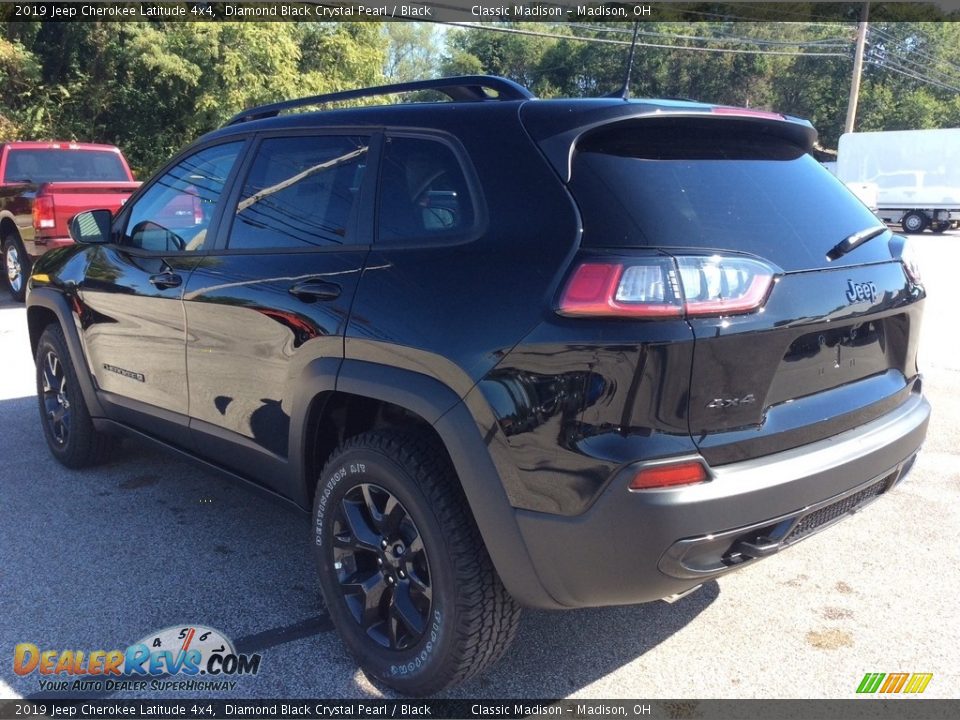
(658, 287)
(719, 285)
(645, 289)
(688, 472)
(43, 213)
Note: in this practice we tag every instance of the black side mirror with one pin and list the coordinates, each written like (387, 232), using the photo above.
(91, 227)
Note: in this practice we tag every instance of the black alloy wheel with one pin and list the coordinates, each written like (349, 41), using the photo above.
(55, 397)
(382, 566)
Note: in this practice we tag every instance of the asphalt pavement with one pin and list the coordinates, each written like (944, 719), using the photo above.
(98, 559)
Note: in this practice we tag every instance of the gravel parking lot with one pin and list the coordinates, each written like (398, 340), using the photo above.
(98, 559)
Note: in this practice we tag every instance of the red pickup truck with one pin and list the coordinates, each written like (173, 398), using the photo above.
(42, 186)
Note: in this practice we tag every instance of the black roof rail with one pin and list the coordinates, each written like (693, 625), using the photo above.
(463, 88)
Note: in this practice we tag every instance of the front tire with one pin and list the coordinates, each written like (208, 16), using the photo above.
(66, 422)
(16, 267)
(403, 570)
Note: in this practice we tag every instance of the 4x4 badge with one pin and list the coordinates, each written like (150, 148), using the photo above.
(748, 399)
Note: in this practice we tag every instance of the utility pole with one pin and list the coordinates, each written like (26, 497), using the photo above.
(857, 69)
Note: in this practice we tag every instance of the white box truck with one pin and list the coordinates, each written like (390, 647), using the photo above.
(916, 172)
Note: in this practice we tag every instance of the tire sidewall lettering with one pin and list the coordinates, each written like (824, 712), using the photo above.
(420, 660)
(324, 499)
(328, 489)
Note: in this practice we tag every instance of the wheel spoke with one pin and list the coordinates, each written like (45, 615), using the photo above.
(405, 611)
(351, 544)
(370, 589)
(393, 629)
(59, 430)
(375, 515)
(48, 381)
(419, 584)
(393, 515)
(52, 365)
(365, 536)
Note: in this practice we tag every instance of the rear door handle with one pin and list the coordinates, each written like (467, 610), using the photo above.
(313, 290)
(164, 281)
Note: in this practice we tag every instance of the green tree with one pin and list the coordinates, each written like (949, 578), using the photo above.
(153, 87)
(511, 55)
(413, 51)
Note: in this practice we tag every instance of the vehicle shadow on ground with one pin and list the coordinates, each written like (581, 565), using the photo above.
(557, 653)
(98, 559)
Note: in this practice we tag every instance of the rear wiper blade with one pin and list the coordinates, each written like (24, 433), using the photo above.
(851, 242)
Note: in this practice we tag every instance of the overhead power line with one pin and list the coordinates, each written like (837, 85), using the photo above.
(802, 18)
(608, 41)
(896, 53)
(825, 42)
(894, 67)
(899, 58)
(899, 43)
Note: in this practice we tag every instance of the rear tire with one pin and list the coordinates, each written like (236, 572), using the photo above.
(16, 267)
(941, 226)
(914, 222)
(67, 427)
(404, 572)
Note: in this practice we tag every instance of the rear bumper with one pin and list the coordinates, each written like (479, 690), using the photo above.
(634, 547)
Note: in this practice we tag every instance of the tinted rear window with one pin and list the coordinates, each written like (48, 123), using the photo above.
(64, 166)
(717, 185)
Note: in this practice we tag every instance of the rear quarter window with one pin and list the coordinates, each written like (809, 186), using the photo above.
(423, 194)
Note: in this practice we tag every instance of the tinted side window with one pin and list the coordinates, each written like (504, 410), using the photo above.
(423, 191)
(175, 211)
(301, 192)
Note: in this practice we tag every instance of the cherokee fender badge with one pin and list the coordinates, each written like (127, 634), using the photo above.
(126, 373)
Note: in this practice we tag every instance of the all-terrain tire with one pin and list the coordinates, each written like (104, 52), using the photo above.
(470, 618)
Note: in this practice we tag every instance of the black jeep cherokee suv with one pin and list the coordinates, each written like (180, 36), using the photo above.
(553, 353)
